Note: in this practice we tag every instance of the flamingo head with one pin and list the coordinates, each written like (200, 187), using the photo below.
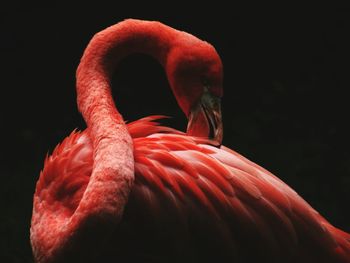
(195, 75)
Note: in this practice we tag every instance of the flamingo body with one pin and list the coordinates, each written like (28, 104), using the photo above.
(192, 202)
(141, 192)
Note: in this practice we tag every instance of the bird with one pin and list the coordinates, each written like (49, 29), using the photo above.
(144, 192)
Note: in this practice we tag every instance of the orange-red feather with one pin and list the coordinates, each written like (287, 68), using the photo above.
(211, 192)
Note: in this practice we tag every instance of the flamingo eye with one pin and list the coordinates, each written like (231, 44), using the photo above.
(205, 82)
(206, 85)
(211, 89)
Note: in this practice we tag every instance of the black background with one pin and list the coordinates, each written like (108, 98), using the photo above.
(285, 104)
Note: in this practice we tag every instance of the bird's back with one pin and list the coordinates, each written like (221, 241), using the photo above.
(194, 202)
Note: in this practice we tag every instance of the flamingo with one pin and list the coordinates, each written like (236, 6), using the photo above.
(142, 192)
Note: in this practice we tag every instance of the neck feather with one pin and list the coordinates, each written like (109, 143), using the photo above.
(105, 51)
(102, 204)
(113, 170)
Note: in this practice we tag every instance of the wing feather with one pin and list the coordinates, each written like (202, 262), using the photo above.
(201, 187)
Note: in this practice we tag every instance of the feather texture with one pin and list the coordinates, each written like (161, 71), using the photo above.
(212, 196)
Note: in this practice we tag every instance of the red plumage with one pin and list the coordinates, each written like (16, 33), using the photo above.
(178, 177)
(188, 200)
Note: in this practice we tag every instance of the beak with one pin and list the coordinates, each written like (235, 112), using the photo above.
(205, 119)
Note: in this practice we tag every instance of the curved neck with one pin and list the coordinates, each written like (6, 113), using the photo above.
(102, 204)
(104, 52)
(112, 177)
